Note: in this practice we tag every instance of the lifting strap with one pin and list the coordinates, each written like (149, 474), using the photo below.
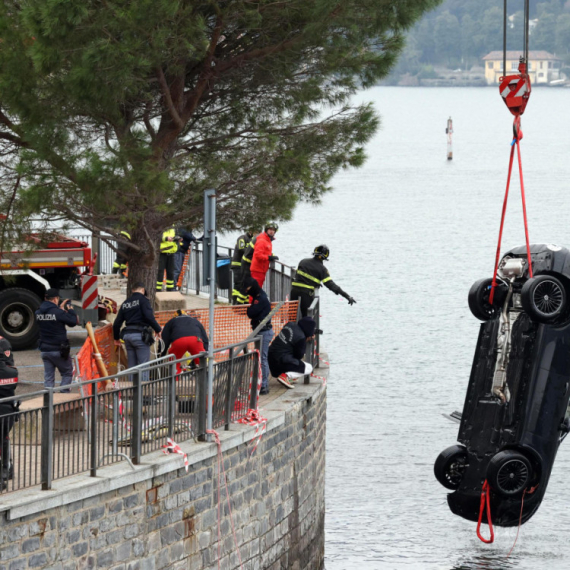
(485, 502)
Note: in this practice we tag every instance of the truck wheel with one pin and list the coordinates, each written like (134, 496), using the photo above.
(17, 319)
(509, 472)
(450, 466)
(543, 298)
(478, 299)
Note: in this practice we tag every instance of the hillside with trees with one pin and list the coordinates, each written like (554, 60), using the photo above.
(458, 33)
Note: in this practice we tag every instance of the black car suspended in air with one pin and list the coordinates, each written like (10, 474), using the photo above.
(515, 412)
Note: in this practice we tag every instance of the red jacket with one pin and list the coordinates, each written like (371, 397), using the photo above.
(263, 249)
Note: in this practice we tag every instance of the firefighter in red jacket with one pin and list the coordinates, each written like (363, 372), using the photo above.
(263, 253)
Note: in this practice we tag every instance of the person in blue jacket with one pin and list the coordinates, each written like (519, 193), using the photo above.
(259, 308)
(52, 317)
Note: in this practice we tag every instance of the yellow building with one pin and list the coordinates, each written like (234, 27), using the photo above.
(543, 66)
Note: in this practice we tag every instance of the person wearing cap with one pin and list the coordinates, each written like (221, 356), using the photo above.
(53, 316)
(136, 312)
(310, 275)
(8, 385)
(259, 308)
(287, 350)
(263, 253)
(184, 334)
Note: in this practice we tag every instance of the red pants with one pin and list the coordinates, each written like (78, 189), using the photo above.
(259, 277)
(190, 344)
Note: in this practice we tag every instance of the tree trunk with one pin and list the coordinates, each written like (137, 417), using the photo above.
(143, 264)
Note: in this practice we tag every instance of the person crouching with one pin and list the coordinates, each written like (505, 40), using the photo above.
(287, 350)
(184, 334)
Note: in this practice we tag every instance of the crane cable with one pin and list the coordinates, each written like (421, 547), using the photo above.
(515, 90)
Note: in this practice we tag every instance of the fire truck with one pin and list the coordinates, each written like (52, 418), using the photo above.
(28, 272)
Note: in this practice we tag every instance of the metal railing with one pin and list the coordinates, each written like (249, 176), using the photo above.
(313, 349)
(80, 432)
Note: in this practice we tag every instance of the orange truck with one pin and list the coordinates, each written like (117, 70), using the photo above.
(27, 273)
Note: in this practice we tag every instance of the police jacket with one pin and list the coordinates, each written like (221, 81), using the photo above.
(168, 246)
(183, 326)
(8, 385)
(287, 350)
(259, 308)
(311, 274)
(263, 250)
(241, 244)
(248, 252)
(137, 313)
(52, 321)
(187, 238)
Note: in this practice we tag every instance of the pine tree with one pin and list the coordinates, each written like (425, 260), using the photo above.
(116, 115)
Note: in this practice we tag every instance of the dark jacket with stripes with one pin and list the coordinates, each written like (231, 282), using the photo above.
(311, 274)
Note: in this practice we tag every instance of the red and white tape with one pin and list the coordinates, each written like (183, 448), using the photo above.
(172, 447)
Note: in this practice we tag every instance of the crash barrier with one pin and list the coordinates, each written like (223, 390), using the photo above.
(231, 326)
(56, 435)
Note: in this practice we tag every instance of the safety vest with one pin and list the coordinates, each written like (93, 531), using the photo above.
(168, 246)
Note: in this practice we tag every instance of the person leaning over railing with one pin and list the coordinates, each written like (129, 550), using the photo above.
(310, 275)
(287, 350)
(184, 334)
(137, 314)
(260, 307)
(8, 385)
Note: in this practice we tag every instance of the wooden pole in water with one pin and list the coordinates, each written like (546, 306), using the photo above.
(449, 131)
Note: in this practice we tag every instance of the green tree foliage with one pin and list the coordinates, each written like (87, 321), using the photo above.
(447, 36)
(118, 114)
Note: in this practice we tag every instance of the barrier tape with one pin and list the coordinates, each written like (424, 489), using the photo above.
(320, 378)
(254, 418)
(172, 447)
(222, 469)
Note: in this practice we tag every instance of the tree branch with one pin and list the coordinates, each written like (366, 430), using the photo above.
(168, 98)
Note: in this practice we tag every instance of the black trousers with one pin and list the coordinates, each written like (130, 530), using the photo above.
(166, 261)
(305, 299)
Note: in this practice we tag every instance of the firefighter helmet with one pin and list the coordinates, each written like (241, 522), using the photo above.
(271, 226)
(321, 251)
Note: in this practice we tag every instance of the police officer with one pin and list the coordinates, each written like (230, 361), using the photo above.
(52, 317)
(168, 247)
(136, 312)
(311, 274)
(184, 334)
(8, 385)
(239, 298)
(120, 263)
(186, 237)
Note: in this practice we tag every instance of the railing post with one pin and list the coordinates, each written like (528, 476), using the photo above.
(47, 447)
(255, 375)
(272, 282)
(318, 337)
(136, 434)
(171, 399)
(283, 292)
(198, 263)
(230, 390)
(202, 385)
(93, 429)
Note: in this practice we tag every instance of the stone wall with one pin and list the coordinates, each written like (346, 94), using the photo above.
(158, 516)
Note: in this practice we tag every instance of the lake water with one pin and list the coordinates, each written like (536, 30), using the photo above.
(409, 233)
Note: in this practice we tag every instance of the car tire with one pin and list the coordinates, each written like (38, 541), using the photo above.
(544, 298)
(450, 466)
(478, 299)
(509, 473)
(17, 320)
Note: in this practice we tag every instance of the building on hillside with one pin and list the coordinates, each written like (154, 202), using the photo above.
(543, 66)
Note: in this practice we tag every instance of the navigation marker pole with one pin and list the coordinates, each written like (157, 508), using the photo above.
(449, 131)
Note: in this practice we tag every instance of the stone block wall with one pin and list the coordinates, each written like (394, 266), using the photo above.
(170, 520)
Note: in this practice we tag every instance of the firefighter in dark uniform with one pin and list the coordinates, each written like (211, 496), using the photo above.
(310, 275)
(239, 298)
(246, 259)
(120, 263)
(184, 334)
(136, 312)
(168, 247)
(8, 385)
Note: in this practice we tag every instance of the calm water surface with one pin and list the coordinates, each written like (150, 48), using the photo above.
(409, 233)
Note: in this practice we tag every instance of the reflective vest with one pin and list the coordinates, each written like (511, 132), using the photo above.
(168, 246)
(239, 249)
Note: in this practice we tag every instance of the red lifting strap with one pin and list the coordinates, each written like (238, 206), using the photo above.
(518, 135)
(485, 500)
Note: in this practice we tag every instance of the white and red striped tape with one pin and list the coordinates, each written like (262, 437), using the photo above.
(89, 292)
(172, 447)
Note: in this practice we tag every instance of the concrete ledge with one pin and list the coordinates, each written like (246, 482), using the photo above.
(169, 301)
(78, 487)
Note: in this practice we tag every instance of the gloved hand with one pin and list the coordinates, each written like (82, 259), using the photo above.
(350, 300)
(273, 258)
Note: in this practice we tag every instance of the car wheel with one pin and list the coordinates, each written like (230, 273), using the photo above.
(509, 472)
(450, 466)
(17, 319)
(478, 299)
(544, 298)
